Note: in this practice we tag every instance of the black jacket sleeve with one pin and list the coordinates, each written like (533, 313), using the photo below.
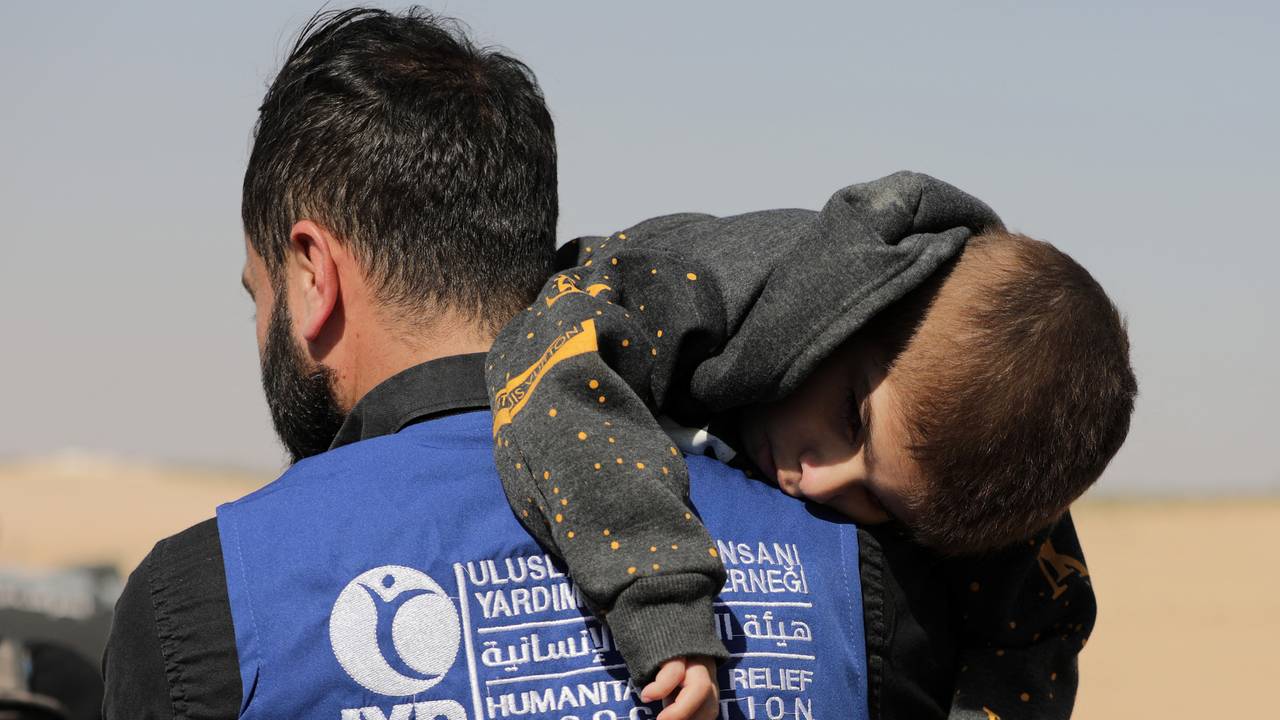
(958, 637)
(912, 644)
(1024, 615)
(172, 650)
(575, 383)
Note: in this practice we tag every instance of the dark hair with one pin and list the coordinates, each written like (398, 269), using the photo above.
(431, 159)
(1012, 366)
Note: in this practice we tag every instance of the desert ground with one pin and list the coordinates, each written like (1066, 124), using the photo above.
(1189, 600)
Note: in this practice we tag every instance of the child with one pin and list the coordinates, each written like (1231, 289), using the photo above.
(975, 408)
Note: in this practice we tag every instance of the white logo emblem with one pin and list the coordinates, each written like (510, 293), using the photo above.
(414, 611)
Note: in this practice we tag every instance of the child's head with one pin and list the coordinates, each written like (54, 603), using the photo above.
(976, 408)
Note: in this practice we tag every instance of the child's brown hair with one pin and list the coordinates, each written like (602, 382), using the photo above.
(1012, 365)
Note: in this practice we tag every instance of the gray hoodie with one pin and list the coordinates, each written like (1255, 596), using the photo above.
(687, 315)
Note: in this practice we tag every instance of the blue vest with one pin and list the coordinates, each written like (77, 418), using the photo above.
(388, 580)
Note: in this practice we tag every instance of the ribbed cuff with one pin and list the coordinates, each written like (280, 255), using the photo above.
(658, 619)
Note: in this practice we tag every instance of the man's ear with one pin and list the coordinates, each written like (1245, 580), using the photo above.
(312, 249)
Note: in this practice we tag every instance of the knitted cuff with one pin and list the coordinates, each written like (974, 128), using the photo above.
(661, 618)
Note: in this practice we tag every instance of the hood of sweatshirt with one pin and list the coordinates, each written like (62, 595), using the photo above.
(797, 283)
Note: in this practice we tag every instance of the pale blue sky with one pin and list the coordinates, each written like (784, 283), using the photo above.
(1138, 137)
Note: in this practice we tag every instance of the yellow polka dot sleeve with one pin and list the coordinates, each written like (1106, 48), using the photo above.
(1024, 614)
(575, 381)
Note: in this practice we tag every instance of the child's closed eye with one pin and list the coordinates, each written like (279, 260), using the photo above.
(853, 412)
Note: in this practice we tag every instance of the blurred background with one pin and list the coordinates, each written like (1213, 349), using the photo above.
(1139, 137)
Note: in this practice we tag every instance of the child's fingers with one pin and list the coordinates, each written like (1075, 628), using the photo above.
(668, 679)
(698, 697)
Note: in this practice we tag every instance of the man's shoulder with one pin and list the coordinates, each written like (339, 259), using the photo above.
(461, 440)
(197, 544)
(713, 479)
(173, 624)
(185, 572)
(439, 468)
(731, 504)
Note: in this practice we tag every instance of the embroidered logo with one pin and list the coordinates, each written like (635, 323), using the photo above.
(564, 286)
(395, 631)
(1062, 568)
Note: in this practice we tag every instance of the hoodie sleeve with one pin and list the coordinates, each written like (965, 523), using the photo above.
(1024, 615)
(574, 382)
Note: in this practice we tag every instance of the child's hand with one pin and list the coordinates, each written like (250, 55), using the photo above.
(687, 686)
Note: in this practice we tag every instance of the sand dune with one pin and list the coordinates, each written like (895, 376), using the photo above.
(1188, 627)
(1188, 609)
(76, 509)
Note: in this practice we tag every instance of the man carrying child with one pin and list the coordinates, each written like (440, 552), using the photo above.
(399, 207)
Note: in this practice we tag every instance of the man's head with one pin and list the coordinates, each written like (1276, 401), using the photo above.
(415, 169)
(976, 409)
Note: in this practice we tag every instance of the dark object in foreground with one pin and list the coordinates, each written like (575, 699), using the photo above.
(53, 629)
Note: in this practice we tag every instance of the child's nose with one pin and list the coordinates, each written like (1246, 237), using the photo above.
(822, 477)
(827, 456)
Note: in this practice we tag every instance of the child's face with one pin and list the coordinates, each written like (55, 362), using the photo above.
(840, 439)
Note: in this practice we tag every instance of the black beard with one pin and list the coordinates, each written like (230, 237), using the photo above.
(304, 408)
